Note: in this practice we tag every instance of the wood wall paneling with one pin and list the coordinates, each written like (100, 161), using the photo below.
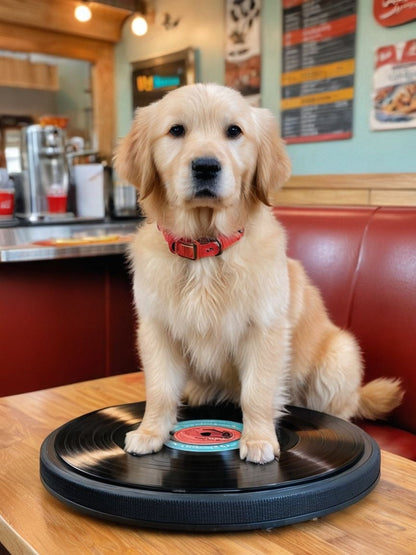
(392, 189)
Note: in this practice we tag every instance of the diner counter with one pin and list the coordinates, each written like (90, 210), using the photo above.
(72, 239)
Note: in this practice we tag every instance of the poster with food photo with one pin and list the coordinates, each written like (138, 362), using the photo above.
(394, 89)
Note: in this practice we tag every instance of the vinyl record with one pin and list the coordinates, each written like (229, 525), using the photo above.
(198, 481)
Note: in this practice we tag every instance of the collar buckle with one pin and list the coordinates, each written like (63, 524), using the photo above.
(185, 249)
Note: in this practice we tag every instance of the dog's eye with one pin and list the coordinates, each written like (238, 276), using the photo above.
(177, 130)
(233, 131)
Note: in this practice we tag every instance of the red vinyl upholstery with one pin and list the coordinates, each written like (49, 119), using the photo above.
(364, 262)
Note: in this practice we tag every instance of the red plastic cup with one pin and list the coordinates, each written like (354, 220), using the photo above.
(57, 203)
(6, 203)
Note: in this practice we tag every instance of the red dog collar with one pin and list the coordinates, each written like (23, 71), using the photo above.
(201, 248)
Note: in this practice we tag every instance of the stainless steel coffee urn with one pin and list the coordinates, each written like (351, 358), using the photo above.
(45, 173)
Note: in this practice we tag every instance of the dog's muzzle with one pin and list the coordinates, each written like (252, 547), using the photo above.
(205, 172)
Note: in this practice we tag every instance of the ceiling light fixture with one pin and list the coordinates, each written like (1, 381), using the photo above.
(139, 25)
(82, 12)
(142, 16)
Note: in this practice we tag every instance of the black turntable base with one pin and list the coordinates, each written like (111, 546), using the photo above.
(197, 482)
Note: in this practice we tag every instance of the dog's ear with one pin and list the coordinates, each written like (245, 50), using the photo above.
(133, 158)
(273, 164)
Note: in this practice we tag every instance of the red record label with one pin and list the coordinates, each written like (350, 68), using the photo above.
(206, 435)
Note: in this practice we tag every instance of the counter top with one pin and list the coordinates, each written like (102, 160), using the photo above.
(65, 240)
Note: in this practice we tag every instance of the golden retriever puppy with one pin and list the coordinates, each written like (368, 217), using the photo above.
(224, 314)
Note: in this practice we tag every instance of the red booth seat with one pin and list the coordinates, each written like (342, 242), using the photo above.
(363, 260)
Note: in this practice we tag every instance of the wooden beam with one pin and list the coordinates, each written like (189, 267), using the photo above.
(58, 16)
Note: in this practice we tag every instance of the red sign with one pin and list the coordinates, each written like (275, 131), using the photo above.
(403, 53)
(394, 12)
(327, 30)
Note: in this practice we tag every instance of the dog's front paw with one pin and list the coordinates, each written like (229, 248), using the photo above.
(259, 451)
(141, 442)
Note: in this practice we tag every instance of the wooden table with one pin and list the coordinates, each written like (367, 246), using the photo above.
(33, 521)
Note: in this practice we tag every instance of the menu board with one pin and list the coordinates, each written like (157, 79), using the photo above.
(318, 70)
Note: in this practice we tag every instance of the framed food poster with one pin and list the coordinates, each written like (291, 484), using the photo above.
(394, 87)
(153, 78)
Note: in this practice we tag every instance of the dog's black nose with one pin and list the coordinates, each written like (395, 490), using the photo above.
(205, 168)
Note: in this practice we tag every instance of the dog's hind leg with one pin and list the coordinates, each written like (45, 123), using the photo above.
(333, 382)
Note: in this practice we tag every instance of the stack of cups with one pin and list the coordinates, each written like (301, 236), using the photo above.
(89, 186)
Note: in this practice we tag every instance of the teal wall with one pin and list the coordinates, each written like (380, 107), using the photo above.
(202, 27)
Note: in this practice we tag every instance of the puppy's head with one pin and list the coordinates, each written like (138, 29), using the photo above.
(202, 146)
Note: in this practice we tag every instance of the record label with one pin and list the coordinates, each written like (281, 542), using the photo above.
(206, 436)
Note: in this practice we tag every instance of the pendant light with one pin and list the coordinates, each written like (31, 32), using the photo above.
(139, 23)
(82, 12)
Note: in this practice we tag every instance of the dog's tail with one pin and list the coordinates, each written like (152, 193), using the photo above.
(379, 397)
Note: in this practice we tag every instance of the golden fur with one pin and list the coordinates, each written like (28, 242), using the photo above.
(247, 325)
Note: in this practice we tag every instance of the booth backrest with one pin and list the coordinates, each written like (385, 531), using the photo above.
(364, 262)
